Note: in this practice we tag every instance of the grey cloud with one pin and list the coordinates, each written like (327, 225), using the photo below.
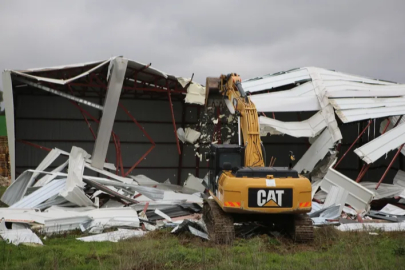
(208, 37)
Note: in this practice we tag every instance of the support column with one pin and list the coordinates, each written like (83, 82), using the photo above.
(111, 100)
(9, 105)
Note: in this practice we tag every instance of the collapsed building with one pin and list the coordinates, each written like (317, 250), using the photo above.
(136, 136)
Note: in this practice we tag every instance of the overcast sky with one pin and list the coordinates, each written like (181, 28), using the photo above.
(208, 38)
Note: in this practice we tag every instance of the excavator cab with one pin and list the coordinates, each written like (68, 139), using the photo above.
(224, 157)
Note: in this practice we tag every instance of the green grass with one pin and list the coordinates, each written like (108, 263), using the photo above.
(2, 189)
(331, 249)
(161, 250)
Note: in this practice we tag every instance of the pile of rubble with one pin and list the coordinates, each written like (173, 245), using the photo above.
(339, 200)
(55, 202)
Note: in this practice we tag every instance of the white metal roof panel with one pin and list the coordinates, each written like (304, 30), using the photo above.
(42, 194)
(376, 148)
(362, 103)
(267, 103)
(302, 74)
(359, 197)
(307, 128)
(316, 152)
(353, 115)
(275, 80)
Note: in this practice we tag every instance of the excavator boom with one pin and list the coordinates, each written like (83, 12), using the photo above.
(240, 104)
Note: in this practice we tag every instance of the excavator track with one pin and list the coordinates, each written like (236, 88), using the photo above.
(219, 224)
(303, 229)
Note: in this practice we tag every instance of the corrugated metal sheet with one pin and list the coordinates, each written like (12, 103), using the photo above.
(359, 197)
(306, 128)
(301, 75)
(353, 115)
(362, 103)
(376, 148)
(275, 80)
(316, 152)
(41, 195)
(268, 103)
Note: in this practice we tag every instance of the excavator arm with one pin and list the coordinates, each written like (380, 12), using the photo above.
(239, 103)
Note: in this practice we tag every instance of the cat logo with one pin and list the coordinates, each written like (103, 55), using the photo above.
(270, 197)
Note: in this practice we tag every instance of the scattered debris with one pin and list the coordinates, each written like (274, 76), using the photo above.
(18, 234)
(116, 236)
(189, 135)
(77, 201)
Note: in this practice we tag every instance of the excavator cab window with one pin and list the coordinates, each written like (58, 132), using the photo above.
(220, 154)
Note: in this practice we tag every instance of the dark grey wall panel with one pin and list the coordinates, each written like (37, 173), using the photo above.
(158, 132)
(149, 110)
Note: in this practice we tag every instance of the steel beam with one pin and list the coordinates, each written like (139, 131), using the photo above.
(59, 93)
(351, 146)
(110, 109)
(173, 120)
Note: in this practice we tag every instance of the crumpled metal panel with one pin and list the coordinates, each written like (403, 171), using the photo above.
(384, 143)
(44, 193)
(307, 128)
(18, 236)
(17, 189)
(359, 197)
(318, 150)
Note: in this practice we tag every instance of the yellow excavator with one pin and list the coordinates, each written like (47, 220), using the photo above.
(241, 187)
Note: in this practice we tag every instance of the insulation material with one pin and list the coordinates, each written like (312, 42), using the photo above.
(189, 135)
(195, 91)
(359, 197)
(306, 128)
(115, 236)
(373, 150)
(18, 236)
(318, 150)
